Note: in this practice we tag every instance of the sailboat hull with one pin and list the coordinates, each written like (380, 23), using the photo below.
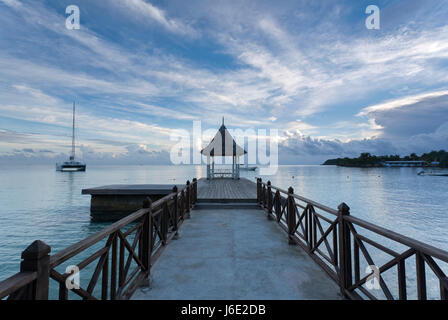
(70, 167)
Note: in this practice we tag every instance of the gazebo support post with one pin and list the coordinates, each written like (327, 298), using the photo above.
(233, 166)
(208, 168)
(238, 167)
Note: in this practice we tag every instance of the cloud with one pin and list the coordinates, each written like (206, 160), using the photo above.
(133, 154)
(312, 71)
(248, 62)
(12, 3)
(297, 148)
(277, 70)
(404, 118)
(412, 124)
(402, 102)
(153, 13)
(8, 136)
(300, 126)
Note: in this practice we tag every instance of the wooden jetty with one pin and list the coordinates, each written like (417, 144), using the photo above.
(236, 239)
(230, 190)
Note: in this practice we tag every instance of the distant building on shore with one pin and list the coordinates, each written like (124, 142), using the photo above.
(405, 163)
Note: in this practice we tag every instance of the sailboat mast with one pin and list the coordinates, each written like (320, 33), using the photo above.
(73, 133)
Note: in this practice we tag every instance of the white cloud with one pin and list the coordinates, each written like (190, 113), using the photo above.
(414, 124)
(300, 126)
(12, 3)
(319, 74)
(274, 76)
(148, 10)
(401, 103)
(404, 118)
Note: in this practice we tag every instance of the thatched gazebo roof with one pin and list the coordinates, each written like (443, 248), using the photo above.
(223, 145)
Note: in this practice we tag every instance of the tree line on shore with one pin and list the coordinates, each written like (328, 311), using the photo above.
(368, 160)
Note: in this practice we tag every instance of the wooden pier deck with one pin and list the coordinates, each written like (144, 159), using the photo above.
(230, 189)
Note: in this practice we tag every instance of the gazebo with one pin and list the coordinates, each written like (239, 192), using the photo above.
(223, 145)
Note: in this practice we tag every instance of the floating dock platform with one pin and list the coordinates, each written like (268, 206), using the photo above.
(113, 202)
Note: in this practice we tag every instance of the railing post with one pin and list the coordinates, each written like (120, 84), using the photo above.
(175, 213)
(421, 276)
(345, 253)
(147, 235)
(182, 204)
(164, 221)
(278, 205)
(189, 195)
(291, 216)
(263, 196)
(36, 258)
(188, 201)
(269, 194)
(195, 190)
(444, 288)
(311, 227)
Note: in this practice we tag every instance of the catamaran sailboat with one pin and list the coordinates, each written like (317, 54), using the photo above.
(71, 164)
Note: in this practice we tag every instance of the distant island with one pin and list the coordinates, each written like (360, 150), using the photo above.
(366, 160)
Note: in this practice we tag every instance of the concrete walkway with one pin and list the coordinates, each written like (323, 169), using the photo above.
(235, 254)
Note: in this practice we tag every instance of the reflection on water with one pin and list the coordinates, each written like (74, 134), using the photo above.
(39, 203)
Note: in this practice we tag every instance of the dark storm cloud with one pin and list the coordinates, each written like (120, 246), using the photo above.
(298, 148)
(414, 124)
(423, 117)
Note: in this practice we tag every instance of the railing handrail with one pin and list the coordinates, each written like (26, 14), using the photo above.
(312, 202)
(18, 280)
(34, 284)
(387, 233)
(75, 248)
(392, 235)
(340, 257)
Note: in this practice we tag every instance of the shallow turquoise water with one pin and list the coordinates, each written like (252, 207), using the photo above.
(36, 202)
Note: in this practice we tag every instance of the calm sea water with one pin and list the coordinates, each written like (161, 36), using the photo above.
(36, 202)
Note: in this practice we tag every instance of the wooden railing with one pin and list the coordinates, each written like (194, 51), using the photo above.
(132, 245)
(222, 173)
(332, 239)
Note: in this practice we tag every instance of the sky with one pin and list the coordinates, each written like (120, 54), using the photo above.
(139, 69)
